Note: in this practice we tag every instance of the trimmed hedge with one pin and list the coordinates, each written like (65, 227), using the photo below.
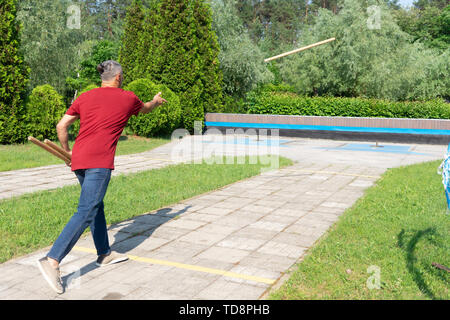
(162, 120)
(44, 109)
(288, 103)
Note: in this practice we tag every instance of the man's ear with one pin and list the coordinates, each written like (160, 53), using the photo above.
(119, 79)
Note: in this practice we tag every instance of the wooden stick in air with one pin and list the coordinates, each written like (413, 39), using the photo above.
(58, 148)
(299, 49)
(49, 149)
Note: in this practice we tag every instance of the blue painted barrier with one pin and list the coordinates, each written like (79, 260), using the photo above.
(327, 128)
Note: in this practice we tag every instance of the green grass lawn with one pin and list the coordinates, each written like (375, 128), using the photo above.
(28, 155)
(399, 226)
(35, 220)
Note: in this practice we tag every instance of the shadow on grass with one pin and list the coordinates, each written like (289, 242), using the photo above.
(409, 244)
(131, 233)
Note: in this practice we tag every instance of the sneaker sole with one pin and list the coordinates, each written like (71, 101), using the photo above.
(47, 279)
(112, 262)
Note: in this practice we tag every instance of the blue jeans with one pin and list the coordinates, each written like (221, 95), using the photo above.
(94, 183)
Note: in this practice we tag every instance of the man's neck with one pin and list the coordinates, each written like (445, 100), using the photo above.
(109, 85)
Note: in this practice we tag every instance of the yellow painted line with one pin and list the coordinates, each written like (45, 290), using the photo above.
(189, 267)
(332, 172)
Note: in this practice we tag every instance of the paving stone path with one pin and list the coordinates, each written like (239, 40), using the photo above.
(236, 242)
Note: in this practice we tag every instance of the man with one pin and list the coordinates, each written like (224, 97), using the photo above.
(103, 113)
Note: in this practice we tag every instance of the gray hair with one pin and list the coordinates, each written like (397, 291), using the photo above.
(109, 69)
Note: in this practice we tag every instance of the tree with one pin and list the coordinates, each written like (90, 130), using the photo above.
(133, 31)
(52, 44)
(208, 50)
(331, 5)
(174, 44)
(147, 49)
(13, 75)
(273, 23)
(87, 73)
(276, 24)
(241, 61)
(366, 61)
(429, 25)
(109, 16)
(422, 4)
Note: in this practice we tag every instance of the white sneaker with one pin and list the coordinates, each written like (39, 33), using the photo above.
(51, 275)
(111, 258)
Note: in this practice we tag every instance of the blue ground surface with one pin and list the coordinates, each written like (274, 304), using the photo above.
(372, 148)
(252, 141)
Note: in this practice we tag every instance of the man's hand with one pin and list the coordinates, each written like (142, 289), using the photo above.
(69, 164)
(61, 129)
(158, 99)
(156, 102)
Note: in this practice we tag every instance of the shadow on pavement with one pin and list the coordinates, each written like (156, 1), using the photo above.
(130, 235)
(140, 228)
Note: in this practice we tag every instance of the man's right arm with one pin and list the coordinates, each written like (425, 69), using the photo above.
(149, 106)
(61, 129)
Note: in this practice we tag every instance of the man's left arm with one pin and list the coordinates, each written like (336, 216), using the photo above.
(149, 106)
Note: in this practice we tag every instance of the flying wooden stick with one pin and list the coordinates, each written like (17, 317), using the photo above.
(299, 49)
(46, 147)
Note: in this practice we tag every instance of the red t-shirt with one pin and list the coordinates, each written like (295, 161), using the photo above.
(103, 112)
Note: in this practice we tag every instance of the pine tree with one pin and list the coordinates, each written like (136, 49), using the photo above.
(173, 43)
(130, 41)
(147, 48)
(13, 75)
(211, 75)
(187, 57)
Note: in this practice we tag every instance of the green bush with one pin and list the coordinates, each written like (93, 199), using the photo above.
(11, 127)
(288, 103)
(162, 120)
(44, 109)
(75, 127)
(233, 105)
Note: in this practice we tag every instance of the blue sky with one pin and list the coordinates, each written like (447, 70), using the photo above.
(406, 3)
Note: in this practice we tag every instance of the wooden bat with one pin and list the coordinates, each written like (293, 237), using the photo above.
(299, 49)
(49, 149)
(58, 148)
